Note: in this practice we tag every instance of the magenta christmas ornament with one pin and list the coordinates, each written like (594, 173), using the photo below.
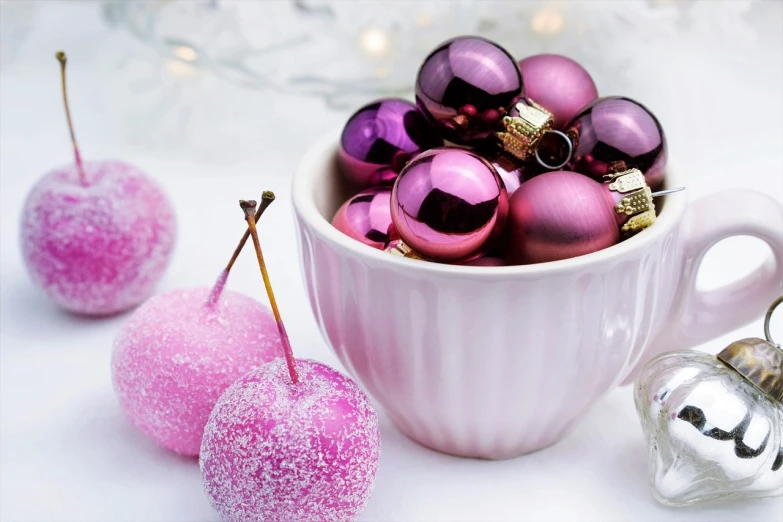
(466, 85)
(558, 84)
(366, 217)
(614, 134)
(714, 424)
(96, 236)
(511, 171)
(291, 440)
(448, 203)
(380, 138)
(559, 215)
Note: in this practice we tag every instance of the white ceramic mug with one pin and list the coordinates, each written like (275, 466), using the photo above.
(495, 362)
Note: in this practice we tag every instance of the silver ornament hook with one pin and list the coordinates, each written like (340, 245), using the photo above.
(768, 318)
(568, 156)
(668, 191)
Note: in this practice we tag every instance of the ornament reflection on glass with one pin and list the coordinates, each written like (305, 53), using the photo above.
(714, 424)
(448, 203)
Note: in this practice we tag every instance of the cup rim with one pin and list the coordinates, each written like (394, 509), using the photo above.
(311, 166)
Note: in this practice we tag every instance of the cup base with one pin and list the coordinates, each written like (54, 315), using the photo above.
(482, 448)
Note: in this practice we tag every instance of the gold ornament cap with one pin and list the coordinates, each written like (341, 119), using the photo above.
(400, 248)
(759, 361)
(636, 201)
(524, 129)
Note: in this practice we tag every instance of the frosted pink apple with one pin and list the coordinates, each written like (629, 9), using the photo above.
(294, 440)
(179, 352)
(100, 246)
(284, 451)
(96, 236)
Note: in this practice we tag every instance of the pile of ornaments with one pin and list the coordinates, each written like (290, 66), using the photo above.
(500, 162)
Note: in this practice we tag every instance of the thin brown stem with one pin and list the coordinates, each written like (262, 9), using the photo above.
(77, 156)
(249, 207)
(217, 289)
(266, 199)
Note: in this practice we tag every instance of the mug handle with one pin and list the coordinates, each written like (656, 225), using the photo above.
(696, 315)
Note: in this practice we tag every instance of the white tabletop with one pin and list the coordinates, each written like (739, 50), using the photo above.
(68, 453)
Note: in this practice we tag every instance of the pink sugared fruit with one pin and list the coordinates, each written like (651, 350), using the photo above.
(96, 236)
(275, 450)
(180, 351)
(294, 440)
(97, 247)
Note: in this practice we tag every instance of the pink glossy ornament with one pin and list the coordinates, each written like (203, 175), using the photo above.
(294, 440)
(366, 217)
(558, 84)
(448, 203)
(96, 236)
(380, 138)
(466, 85)
(180, 351)
(559, 215)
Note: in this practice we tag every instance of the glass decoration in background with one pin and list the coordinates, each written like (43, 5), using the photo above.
(16, 21)
(347, 53)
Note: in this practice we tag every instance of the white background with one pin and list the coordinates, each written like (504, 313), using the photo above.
(67, 453)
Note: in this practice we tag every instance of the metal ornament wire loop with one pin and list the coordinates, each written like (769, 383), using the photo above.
(568, 156)
(768, 318)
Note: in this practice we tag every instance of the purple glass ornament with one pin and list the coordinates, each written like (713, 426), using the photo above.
(509, 170)
(466, 85)
(380, 138)
(366, 217)
(558, 84)
(559, 215)
(613, 134)
(448, 203)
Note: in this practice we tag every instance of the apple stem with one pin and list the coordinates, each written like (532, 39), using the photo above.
(78, 157)
(266, 199)
(249, 207)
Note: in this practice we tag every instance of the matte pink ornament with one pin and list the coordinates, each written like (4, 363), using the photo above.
(180, 351)
(559, 215)
(558, 84)
(366, 217)
(97, 236)
(294, 440)
(447, 203)
(275, 450)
